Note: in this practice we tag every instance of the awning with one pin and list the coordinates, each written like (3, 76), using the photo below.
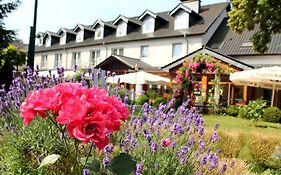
(266, 77)
(139, 78)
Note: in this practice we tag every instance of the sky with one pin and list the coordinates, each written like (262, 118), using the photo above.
(54, 14)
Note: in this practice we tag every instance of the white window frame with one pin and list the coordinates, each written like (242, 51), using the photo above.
(181, 20)
(148, 25)
(44, 62)
(63, 39)
(117, 51)
(48, 41)
(121, 29)
(174, 47)
(95, 57)
(75, 60)
(80, 36)
(99, 30)
(58, 60)
(144, 51)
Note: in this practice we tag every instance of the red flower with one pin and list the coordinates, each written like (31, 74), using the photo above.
(68, 91)
(166, 142)
(38, 102)
(91, 129)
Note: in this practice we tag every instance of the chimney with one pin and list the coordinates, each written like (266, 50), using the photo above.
(192, 4)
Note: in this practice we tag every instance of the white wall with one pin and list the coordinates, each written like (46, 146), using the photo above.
(261, 60)
(159, 51)
(194, 5)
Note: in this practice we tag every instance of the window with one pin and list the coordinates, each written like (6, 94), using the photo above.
(58, 60)
(48, 41)
(95, 57)
(99, 33)
(122, 29)
(181, 20)
(176, 52)
(247, 43)
(75, 59)
(63, 39)
(144, 51)
(148, 25)
(117, 51)
(44, 62)
(80, 36)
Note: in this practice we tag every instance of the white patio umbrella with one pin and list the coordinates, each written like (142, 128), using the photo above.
(140, 77)
(266, 77)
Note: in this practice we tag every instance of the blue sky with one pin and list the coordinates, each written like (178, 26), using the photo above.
(54, 14)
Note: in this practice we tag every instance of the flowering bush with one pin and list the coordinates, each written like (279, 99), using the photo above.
(89, 114)
(161, 140)
(202, 64)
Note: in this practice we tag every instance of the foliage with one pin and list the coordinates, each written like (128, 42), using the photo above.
(232, 110)
(142, 99)
(151, 94)
(6, 36)
(13, 55)
(272, 114)
(159, 100)
(160, 140)
(254, 110)
(247, 14)
(201, 63)
(263, 149)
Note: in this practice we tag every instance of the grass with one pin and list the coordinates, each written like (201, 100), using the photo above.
(231, 124)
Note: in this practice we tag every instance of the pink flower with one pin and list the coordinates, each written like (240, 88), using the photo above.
(38, 102)
(166, 142)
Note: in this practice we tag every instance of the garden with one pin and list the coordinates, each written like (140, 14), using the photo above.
(64, 125)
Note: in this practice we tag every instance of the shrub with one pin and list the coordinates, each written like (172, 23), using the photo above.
(232, 110)
(272, 114)
(254, 110)
(142, 99)
(263, 149)
(159, 100)
(151, 94)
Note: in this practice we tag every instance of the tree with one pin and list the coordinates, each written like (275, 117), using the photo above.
(6, 36)
(13, 56)
(246, 14)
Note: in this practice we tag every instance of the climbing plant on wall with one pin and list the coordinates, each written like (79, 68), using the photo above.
(200, 64)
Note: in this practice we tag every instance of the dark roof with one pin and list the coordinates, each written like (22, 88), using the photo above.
(131, 62)
(66, 30)
(230, 43)
(51, 34)
(209, 14)
(209, 51)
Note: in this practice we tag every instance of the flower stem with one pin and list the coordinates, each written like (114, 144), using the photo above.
(88, 155)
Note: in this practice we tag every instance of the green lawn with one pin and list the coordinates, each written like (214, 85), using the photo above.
(237, 124)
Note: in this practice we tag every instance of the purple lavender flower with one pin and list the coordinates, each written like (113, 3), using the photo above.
(154, 147)
(214, 137)
(213, 159)
(105, 160)
(223, 168)
(139, 168)
(108, 149)
(204, 160)
(86, 171)
(232, 163)
(75, 68)
(216, 126)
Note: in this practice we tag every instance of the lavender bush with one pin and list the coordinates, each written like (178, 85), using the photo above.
(162, 140)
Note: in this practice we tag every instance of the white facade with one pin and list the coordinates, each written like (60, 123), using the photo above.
(159, 51)
(261, 60)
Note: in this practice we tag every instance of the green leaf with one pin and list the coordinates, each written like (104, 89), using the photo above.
(123, 164)
(83, 160)
(94, 166)
(49, 160)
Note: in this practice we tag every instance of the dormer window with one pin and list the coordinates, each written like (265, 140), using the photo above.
(48, 41)
(99, 32)
(79, 36)
(181, 20)
(121, 29)
(148, 25)
(63, 39)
